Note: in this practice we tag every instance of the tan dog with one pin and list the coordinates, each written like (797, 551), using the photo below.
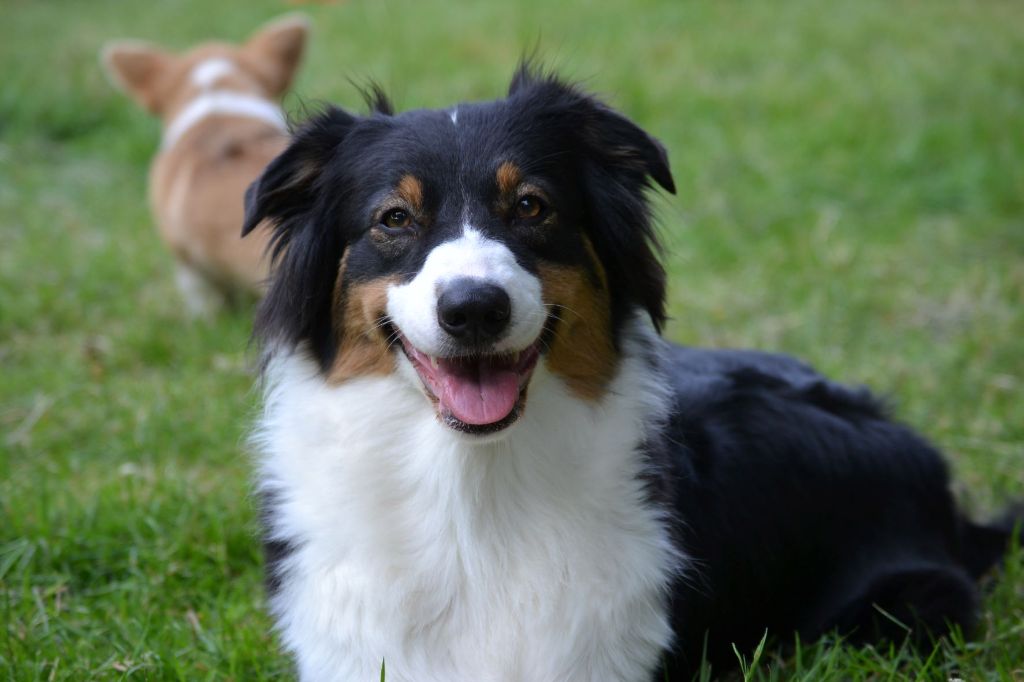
(221, 125)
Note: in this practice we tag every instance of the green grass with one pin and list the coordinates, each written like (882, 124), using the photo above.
(851, 183)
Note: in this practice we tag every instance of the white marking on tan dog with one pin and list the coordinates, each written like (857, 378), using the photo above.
(208, 72)
(222, 103)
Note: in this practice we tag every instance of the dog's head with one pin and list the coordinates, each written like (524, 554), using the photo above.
(163, 82)
(462, 247)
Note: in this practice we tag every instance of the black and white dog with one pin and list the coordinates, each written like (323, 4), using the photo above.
(479, 460)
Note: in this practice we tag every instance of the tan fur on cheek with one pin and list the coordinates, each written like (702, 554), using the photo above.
(362, 346)
(582, 353)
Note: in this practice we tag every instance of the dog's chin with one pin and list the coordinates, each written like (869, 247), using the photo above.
(480, 395)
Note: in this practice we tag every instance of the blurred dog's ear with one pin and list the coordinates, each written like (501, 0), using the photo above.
(137, 68)
(278, 47)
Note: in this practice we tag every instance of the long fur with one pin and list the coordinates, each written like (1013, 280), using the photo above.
(643, 512)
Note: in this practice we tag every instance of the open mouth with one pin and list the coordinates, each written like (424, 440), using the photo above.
(476, 394)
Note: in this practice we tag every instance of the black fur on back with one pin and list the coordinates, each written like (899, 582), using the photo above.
(806, 510)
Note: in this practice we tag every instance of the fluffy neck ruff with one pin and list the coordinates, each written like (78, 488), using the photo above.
(537, 556)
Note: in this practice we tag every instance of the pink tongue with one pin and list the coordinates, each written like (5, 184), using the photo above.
(483, 395)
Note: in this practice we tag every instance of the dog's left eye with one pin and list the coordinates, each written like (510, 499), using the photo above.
(529, 207)
(396, 219)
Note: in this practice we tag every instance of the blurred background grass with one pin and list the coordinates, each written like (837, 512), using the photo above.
(851, 183)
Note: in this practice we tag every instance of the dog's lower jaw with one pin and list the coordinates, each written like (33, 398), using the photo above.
(534, 557)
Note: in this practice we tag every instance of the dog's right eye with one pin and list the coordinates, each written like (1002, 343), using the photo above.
(529, 207)
(396, 219)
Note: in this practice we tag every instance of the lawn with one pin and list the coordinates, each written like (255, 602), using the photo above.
(851, 190)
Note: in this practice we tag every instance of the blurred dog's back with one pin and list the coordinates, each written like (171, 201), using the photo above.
(222, 124)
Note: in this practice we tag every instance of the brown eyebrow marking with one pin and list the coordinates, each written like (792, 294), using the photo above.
(508, 176)
(410, 189)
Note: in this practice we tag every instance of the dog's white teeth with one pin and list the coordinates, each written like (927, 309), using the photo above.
(433, 362)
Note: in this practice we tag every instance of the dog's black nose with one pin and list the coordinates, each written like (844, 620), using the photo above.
(473, 311)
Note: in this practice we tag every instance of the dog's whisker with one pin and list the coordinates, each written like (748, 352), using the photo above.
(564, 307)
(383, 322)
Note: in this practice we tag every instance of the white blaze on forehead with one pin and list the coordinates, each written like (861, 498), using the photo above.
(412, 307)
(206, 73)
(455, 115)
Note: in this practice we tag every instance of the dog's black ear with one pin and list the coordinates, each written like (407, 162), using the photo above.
(306, 248)
(619, 140)
(620, 160)
(287, 185)
(626, 146)
(617, 161)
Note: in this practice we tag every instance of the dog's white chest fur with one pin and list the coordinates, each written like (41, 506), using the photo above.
(533, 558)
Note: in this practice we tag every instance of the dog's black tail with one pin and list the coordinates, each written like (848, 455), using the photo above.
(983, 545)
